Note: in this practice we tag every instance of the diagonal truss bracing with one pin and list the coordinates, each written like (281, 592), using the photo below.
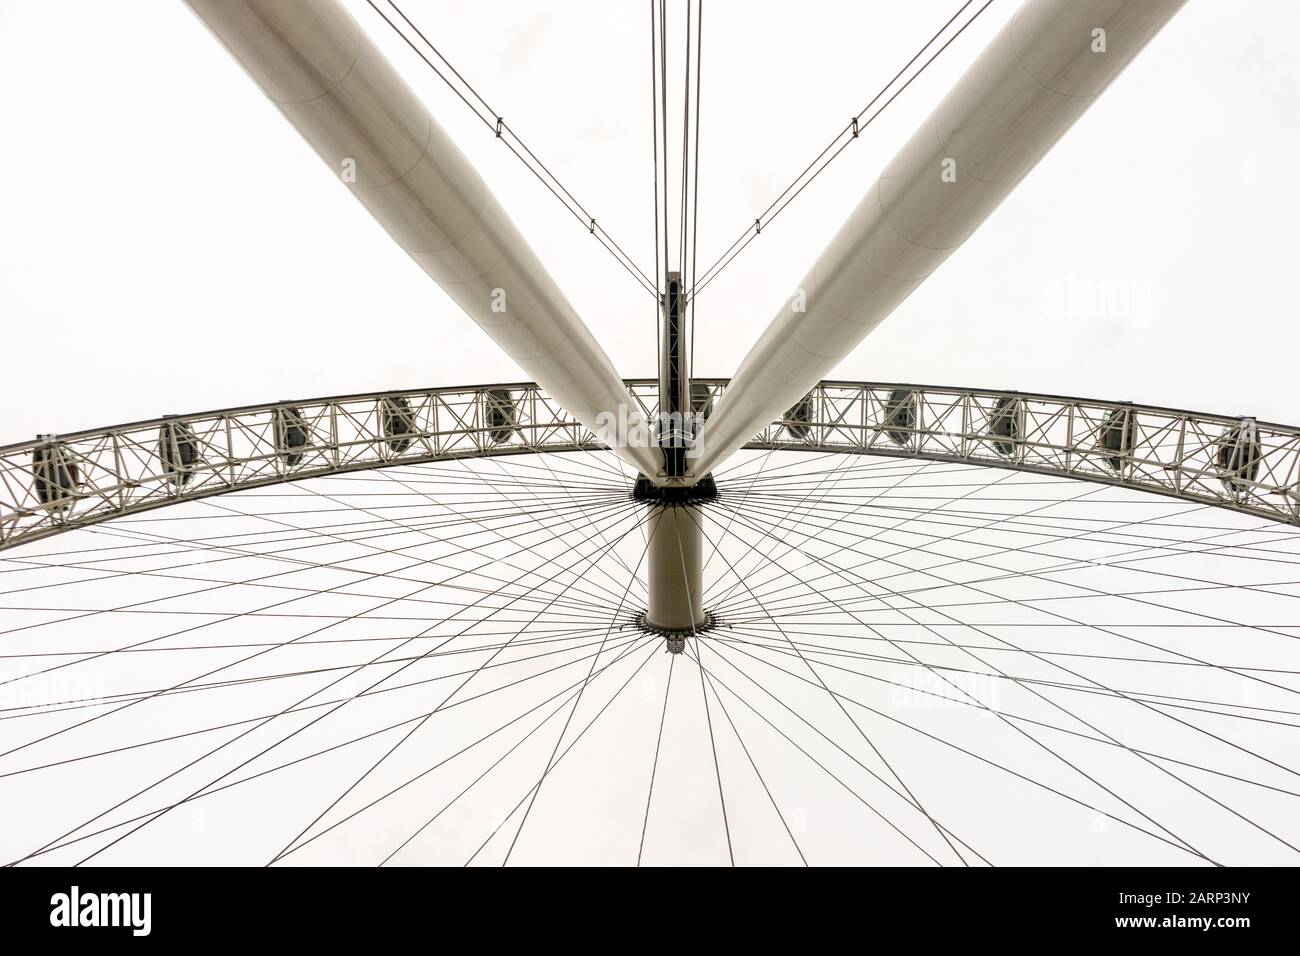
(56, 483)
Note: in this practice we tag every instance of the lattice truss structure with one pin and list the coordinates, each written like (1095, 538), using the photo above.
(55, 483)
(425, 648)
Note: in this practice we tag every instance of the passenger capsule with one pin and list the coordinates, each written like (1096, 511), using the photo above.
(798, 419)
(1006, 423)
(292, 434)
(1238, 456)
(399, 422)
(900, 416)
(1117, 436)
(502, 416)
(55, 476)
(178, 450)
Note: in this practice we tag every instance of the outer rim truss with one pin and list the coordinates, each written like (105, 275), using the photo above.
(58, 483)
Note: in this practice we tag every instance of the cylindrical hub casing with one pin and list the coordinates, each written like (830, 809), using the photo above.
(676, 568)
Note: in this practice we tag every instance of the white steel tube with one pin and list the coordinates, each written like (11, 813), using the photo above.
(327, 77)
(1039, 75)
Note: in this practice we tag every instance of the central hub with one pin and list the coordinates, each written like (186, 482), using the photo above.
(675, 522)
(706, 489)
(676, 639)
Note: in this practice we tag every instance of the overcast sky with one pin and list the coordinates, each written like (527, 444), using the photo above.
(169, 243)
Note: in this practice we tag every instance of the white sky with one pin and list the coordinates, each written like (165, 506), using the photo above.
(169, 244)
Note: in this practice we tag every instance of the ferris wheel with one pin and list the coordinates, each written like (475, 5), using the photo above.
(773, 619)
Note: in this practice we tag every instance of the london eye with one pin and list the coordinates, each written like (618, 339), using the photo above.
(774, 618)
